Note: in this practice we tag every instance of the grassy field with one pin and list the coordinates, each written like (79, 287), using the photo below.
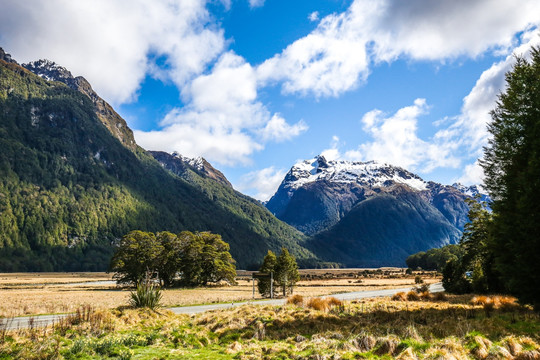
(50, 293)
(451, 327)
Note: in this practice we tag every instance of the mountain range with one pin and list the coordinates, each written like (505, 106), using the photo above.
(369, 213)
(73, 181)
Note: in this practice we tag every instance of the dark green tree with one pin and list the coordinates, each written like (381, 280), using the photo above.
(137, 255)
(286, 272)
(268, 266)
(196, 259)
(170, 258)
(472, 269)
(511, 165)
(205, 259)
(217, 262)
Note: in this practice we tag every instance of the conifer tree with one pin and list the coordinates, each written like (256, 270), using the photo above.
(512, 178)
(268, 266)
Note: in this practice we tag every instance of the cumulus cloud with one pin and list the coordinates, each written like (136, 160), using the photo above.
(337, 55)
(109, 42)
(395, 140)
(278, 130)
(261, 184)
(467, 134)
(222, 121)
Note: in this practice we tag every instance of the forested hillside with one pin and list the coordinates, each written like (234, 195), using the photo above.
(69, 188)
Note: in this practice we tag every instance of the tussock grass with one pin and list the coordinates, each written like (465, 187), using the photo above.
(297, 300)
(373, 328)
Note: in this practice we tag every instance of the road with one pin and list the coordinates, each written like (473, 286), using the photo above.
(45, 320)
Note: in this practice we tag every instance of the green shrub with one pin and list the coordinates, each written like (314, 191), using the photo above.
(146, 296)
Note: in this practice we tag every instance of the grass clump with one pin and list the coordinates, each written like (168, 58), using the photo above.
(297, 300)
(146, 296)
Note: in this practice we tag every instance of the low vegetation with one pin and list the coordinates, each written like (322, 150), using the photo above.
(457, 328)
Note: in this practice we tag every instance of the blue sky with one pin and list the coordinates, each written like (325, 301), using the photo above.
(254, 86)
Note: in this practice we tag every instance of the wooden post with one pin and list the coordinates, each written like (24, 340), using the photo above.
(271, 285)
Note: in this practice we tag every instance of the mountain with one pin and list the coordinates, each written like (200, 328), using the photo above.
(368, 213)
(73, 181)
(180, 165)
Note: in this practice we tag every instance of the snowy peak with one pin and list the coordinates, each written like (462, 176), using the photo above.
(50, 71)
(196, 162)
(371, 173)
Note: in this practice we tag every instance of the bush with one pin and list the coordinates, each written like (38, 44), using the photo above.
(418, 279)
(146, 296)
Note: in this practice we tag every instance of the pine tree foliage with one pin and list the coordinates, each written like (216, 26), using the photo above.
(268, 266)
(285, 273)
(512, 178)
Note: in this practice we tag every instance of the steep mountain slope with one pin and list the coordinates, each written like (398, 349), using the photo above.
(367, 213)
(72, 181)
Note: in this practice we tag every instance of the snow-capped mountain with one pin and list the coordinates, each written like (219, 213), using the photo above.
(369, 173)
(369, 205)
(179, 164)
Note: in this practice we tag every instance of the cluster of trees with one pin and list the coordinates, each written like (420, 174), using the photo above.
(186, 259)
(502, 247)
(434, 259)
(284, 270)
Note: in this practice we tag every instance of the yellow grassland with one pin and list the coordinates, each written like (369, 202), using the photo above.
(50, 293)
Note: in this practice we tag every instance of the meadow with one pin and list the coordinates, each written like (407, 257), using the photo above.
(52, 293)
(429, 327)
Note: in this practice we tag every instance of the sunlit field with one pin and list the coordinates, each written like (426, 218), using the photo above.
(51, 293)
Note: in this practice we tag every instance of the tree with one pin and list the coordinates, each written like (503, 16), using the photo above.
(473, 269)
(511, 165)
(286, 272)
(268, 266)
(197, 258)
(138, 253)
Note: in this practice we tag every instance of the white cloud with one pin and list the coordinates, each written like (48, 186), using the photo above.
(278, 130)
(332, 153)
(256, 3)
(261, 184)
(314, 16)
(473, 174)
(222, 121)
(108, 42)
(337, 55)
(395, 140)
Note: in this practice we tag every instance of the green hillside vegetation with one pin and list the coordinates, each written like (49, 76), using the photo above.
(69, 189)
(434, 259)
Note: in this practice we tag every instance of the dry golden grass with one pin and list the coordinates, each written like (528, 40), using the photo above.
(297, 300)
(413, 296)
(11, 280)
(63, 292)
(453, 329)
(400, 296)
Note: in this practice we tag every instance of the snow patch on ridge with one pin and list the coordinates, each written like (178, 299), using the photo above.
(369, 173)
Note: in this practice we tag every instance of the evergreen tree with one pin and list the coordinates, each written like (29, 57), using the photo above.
(286, 272)
(512, 178)
(268, 266)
